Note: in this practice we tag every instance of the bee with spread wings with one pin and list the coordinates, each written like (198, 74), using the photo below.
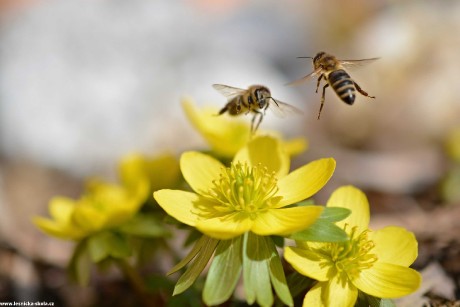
(333, 71)
(255, 99)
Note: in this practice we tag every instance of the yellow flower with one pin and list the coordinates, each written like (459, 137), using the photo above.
(250, 195)
(161, 171)
(103, 206)
(374, 262)
(227, 135)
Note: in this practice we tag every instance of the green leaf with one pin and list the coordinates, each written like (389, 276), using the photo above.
(321, 231)
(192, 237)
(256, 274)
(366, 300)
(224, 273)
(79, 267)
(306, 202)
(197, 265)
(203, 241)
(298, 283)
(386, 302)
(145, 225)
(108, 244)
(277, 276)
(279, 241)
(378, 302)
(334, 214)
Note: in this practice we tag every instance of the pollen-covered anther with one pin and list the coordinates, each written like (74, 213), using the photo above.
(245, 188)
(352, 256)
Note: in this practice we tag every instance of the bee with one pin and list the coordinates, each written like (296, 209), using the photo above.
(333, 71)
(255, 99)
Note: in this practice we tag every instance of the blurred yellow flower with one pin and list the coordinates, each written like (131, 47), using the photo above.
(250, 195)
(161, 171)
(227, 135)
(103, 206)
(374, 262)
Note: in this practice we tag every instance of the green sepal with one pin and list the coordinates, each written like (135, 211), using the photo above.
(108, 244)
(198, 259)
(321, 231)
(224, 273)
(145, 225)
(79, 267)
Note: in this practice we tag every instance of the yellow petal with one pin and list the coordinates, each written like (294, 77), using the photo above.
(305, 181)
(268, 152)
(225, 227)
(295, 146)
(388, 280)
(88, 217)
(313, 296)
(162, 171)
(61, 209)
(351, 198)
(306, 263)
(199, 170)
(181, 205)
(394, 245)
(58, 230)
(130, 168)
(285, 221)
(226, 135)
(340, 293)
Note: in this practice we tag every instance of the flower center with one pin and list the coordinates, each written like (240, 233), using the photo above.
(351, 257)
(244, 188)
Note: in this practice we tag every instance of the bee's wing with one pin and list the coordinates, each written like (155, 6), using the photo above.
(228, 91)
(312, 74)
(282, 109)
(356, 63)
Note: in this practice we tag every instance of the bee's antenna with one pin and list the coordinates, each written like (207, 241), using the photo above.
(274, 100)
(305, 57)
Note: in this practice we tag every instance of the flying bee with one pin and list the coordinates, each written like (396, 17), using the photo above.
(255, 99)
(333, 71)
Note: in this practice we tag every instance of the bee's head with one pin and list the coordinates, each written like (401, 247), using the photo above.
(262, 95)
(316, 59)
(318, 56)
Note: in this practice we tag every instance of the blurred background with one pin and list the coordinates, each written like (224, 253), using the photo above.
(83, 83)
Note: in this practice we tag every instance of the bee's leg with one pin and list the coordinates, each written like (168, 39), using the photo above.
(359, 89)
(317, 83)
(267, 104)
(322, 99)
(223, 110)
(256, 126)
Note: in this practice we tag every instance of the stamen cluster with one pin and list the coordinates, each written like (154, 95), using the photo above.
(244, 188)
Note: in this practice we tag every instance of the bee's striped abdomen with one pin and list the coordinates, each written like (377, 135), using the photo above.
(342, 84)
